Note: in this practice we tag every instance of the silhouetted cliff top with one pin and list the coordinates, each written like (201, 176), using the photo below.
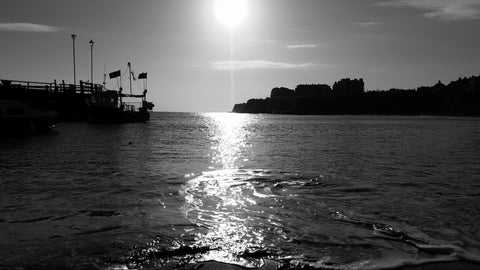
(348, 96)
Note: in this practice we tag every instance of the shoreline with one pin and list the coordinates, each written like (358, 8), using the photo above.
(366, 114)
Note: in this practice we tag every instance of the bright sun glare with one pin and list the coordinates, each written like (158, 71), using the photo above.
(231, 13)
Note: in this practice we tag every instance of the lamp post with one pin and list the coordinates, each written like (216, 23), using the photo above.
(91, 61)
(74, 71)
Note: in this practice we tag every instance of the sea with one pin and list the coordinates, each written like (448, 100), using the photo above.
(244, 191)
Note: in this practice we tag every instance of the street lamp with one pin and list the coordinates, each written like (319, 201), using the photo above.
(74, 71)
(91, 61)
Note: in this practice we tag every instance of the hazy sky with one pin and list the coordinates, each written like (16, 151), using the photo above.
(196, 63)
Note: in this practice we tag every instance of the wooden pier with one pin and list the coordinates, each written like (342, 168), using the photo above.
(66, 99)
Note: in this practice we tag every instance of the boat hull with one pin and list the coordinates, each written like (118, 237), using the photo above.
(105, 115)
(17, 117)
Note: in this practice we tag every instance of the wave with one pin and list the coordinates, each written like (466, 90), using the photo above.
(289, 220)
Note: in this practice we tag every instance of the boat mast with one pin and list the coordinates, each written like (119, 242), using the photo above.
(104, 75)
(130, 76)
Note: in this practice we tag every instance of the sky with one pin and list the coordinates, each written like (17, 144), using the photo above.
(197, 63)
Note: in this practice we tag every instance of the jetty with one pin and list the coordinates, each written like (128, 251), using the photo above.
(73, 102)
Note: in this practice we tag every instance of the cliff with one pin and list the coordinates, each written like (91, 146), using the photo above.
(347, 96)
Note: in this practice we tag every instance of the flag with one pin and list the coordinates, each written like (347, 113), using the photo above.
(142, 75)
(114, 74)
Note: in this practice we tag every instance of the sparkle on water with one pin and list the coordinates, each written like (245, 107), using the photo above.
(328, 192)
(229, 135)
(221, 200)
(225, 205)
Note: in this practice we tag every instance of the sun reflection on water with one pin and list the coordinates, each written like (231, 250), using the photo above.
(228, 133)
(224, 204)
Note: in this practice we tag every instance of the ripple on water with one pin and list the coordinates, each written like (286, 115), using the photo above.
(243, 217)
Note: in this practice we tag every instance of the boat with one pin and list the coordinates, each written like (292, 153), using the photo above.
(18, 117)
(109, 106)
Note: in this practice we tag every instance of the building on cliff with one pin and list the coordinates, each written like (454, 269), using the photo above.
(348, 96)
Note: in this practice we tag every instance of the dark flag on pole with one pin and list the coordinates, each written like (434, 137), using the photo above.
(114, 74)
(142, 75)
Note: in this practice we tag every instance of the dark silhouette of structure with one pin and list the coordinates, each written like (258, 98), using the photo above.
(85, 101)
(348, 96)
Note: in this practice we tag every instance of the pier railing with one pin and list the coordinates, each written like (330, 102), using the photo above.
(82, 88)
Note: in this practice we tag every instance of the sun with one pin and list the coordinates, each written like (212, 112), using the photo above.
(231, 13)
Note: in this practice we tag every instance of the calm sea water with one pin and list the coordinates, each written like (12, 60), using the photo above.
(340, 192)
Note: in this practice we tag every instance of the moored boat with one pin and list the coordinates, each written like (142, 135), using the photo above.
(110, 106)
(18, 117)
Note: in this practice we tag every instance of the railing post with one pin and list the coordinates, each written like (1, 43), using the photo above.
(63, 85)
(81, 87)
(55, 85)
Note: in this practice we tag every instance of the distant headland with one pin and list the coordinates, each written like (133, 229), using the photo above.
(348, 96)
